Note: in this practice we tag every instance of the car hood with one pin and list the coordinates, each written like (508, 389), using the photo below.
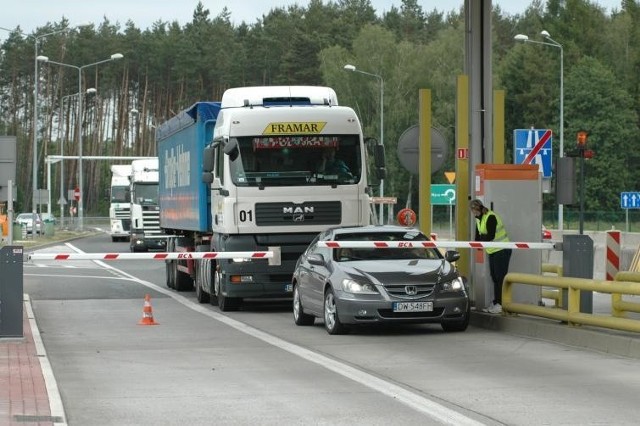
(405, 271)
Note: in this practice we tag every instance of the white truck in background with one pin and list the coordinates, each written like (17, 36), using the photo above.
(145, 212)
(120, 204)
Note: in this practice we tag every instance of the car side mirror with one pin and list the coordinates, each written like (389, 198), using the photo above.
(316, 259)
(452, 255)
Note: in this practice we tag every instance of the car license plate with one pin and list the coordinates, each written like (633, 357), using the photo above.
(412, 306)
(288, 288)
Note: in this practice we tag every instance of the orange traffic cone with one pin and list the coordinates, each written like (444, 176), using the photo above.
(147, 312)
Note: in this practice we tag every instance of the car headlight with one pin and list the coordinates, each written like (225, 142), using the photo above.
(453, 285)
(352, 286)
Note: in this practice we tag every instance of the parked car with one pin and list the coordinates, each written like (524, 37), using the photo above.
(350, 286)
(48, 217)
(26, 220)
(546, 234)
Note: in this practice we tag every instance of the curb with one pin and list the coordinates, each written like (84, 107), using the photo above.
(601, 340)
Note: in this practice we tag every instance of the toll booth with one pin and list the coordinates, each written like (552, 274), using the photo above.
(514, 192)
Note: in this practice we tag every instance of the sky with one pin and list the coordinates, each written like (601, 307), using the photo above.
(32, 14)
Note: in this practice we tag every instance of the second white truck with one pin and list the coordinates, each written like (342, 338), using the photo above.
(120, 202)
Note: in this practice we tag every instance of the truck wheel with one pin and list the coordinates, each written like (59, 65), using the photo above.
(215, 288)
(183, 281)
(170, 273)
(201, 277)
(170, 267)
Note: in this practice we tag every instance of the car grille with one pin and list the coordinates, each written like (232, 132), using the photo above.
(400, 291)
(388, 313)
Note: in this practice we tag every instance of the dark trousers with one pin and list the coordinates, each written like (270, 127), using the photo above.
(499, 266)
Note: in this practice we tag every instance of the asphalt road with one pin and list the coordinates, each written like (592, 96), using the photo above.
(200, 366)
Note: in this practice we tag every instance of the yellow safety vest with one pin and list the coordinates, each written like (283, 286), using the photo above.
(501, 233)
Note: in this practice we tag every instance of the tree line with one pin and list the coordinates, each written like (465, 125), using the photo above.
(168, 67)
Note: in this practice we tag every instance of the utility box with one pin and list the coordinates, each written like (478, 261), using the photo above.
(11, 285)
(514, 192)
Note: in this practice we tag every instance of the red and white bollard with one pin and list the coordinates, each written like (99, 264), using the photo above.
(613, 255)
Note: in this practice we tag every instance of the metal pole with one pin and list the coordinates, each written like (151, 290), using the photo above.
(80, 200)
(34, 177)
(582, 192)
(381, 143)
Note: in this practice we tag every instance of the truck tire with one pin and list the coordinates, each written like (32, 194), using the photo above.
(215, 285)
(170, 266)
(201, 277)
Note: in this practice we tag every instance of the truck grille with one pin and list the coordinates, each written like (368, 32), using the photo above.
(151, 221)
(290, 214)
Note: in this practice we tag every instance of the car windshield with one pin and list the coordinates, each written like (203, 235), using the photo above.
(416, 252)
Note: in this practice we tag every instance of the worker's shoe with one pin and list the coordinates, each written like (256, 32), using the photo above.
(494, 308)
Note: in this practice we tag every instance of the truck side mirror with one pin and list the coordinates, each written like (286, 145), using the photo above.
(231, 149)
(208, 158)
(379, 156)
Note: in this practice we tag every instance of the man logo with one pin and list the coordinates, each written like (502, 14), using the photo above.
(298, 212)
(411, 290)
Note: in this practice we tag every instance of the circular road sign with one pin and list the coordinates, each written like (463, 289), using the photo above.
(408, 150)
(76, 194)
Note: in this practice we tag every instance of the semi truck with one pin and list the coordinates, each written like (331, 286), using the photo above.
(145, 232)
(247, 174)
(120, 204)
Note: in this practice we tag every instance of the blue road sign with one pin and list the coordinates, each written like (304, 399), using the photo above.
(533, 146)
(630, 200)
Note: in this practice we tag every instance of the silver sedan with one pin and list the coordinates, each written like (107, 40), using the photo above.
(367, 285)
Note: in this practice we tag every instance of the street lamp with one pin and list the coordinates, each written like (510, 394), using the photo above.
(551, 42)
(352, 68)
(35, 118)
(113, 57)
(89, 91)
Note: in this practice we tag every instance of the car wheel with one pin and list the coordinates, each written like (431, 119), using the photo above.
(458, 326)
(299, 317)
(331, 320)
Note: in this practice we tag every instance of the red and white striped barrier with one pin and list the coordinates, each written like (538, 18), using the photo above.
(153, 256)
(435, 244)
(613, 254)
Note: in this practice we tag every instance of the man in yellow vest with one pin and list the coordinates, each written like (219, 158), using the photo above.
(489, 227)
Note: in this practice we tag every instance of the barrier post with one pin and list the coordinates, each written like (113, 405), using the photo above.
(577, 262)
(11, 297)
(612, 259)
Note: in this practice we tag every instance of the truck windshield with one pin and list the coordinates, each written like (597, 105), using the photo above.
(297, 161)
(120, 194)
(145, 193)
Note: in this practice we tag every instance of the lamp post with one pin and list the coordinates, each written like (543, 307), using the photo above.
(113, 57)
(551, 42)
(352, 68)
(89, 91)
